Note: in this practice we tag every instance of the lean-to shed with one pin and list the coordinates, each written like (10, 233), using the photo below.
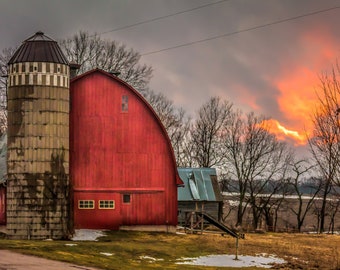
(122, 165)
(201, 192)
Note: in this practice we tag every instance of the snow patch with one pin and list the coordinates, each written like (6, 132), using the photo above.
(106, 254)
(266, 261)
(87, 235)
(150, 259)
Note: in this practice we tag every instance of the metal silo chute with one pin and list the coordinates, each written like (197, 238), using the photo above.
(193, 187)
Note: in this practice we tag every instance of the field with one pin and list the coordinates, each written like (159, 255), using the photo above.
(138, 250)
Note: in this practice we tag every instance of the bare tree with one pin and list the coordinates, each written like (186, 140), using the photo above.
(256, 159)
(300, 168)
(275, 205)
(174, 120)
(333, 209)
(90, 51)
(263, 186)
(207, 131)
(4, 59)
(183, 147)
(325, 140)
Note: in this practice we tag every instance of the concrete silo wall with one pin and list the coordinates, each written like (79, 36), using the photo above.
(38, 151)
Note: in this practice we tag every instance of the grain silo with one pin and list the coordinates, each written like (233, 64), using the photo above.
(38, 141)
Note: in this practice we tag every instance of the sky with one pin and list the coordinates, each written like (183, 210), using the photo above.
(264, 56)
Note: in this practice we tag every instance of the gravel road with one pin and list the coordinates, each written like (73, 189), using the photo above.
(14, 261)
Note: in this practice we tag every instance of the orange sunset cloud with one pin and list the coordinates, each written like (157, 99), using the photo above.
(297, 98)
(283, 133)
(299, 83)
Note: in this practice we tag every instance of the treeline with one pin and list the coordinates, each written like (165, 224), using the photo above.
(307, 187)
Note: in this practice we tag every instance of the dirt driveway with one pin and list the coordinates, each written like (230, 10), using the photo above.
(14, 261)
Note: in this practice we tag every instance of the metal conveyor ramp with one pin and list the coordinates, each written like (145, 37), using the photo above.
(218, 224)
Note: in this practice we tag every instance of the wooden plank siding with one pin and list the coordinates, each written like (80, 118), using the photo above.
(2, 205)
(212, 208)
(115, 152)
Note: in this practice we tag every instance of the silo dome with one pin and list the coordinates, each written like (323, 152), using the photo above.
(39, 48)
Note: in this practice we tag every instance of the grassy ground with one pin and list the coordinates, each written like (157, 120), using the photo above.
(129, 249)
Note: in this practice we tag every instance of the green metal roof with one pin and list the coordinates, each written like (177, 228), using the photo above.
(200, 184)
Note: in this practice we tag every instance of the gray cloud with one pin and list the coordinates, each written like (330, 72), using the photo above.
(243, 68)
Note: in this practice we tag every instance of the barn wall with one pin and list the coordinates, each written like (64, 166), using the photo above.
(97, 218)
(122, 213)
(120, 152)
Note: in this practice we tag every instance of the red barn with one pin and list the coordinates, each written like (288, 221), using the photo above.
(122, 165)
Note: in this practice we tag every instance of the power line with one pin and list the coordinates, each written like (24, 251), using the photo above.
(162, 17)
(240, 31)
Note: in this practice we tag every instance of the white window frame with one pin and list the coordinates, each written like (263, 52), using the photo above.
(85, 204)
(106, 204)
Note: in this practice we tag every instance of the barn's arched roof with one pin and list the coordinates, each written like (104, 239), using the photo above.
(39, 48)
(179, 182)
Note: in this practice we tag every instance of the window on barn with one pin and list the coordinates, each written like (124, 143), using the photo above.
(106, 204)
(125, 103)
(126, 198)
(86, 204)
